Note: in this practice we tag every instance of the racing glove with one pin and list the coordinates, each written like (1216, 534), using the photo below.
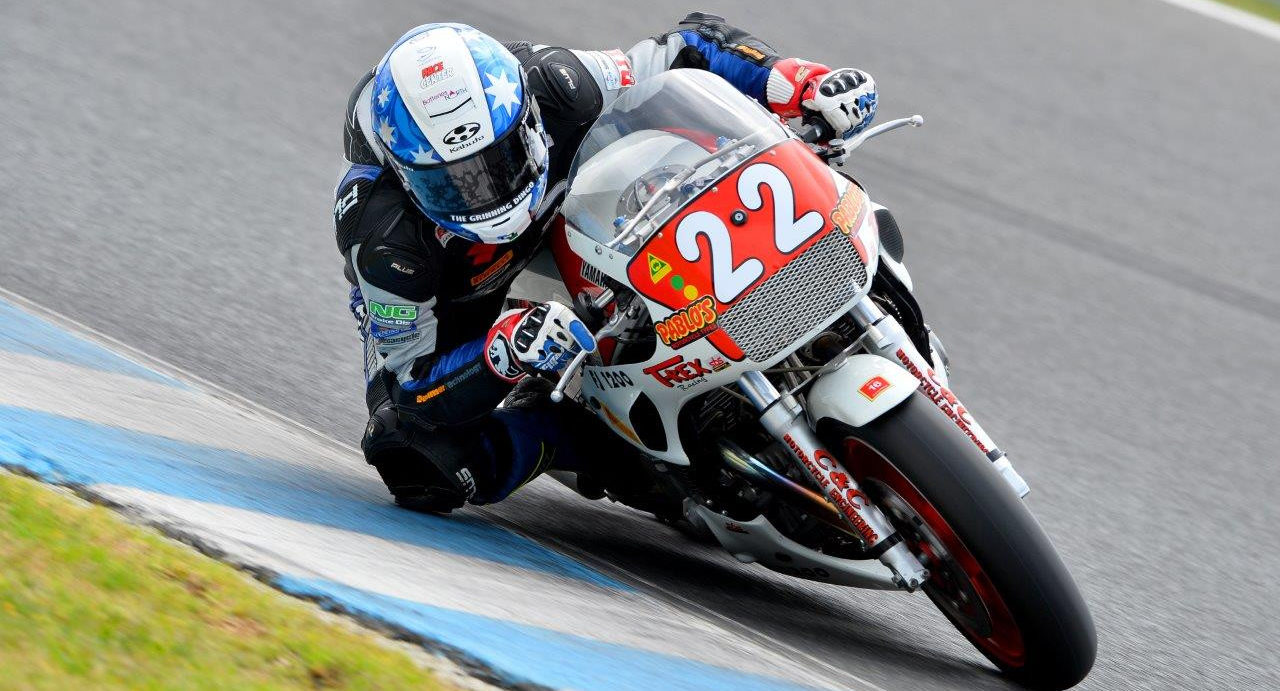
(845, 99)
(541, 338)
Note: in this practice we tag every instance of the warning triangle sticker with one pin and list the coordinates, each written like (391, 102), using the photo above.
(657, 268)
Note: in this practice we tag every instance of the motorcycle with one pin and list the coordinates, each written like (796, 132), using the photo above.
(757, 341)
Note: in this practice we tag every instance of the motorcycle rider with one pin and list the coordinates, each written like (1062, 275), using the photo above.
(458, 148)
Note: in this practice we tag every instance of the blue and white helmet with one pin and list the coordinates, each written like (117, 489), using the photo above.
(452, 113)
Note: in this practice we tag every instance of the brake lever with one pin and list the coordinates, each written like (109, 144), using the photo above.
(848, 147)
(611, 328)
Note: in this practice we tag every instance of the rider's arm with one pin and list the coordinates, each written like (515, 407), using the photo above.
(701, 40)
(787, 86)
(706, 41)
(422, 364)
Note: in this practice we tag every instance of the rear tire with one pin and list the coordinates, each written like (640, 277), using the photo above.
(994, 572)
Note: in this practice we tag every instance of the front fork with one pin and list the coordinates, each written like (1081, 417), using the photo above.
(784, 418)
(884, 336)
(782, 415)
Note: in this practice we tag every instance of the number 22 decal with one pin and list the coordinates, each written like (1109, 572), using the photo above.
(789, 233)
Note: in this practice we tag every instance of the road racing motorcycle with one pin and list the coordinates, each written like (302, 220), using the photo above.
(757, 341)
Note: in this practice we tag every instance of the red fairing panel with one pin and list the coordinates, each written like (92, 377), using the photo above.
(735, 235)
(579, 277)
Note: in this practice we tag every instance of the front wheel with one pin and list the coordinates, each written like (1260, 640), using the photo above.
(993, 571)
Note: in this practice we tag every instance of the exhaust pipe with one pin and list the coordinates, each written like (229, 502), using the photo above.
(797, 494)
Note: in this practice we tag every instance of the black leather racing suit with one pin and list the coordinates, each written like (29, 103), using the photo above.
(426, 298)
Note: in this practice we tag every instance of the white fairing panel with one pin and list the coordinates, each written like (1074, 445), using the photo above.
(863, 389)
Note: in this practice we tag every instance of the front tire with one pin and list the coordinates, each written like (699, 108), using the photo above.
(994, 572)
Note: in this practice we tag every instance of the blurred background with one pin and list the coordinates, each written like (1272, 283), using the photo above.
(1090, 215)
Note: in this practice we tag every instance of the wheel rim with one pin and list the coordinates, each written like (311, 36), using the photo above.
(957, 583)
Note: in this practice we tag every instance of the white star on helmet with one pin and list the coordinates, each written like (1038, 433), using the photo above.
(387, 132)
(423, 156)
(503, 91)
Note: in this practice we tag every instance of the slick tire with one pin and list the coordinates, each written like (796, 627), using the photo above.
(993, 571)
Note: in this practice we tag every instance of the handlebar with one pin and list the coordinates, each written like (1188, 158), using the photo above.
(837, 151)
(815, 131)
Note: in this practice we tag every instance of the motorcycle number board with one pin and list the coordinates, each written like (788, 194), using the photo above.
(736, 234)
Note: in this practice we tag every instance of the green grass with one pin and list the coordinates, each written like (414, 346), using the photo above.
(88, 601)
(1264, 8)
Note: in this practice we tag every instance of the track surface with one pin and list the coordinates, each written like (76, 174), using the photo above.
(1090, 216)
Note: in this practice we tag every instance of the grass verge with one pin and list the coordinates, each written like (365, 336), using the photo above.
(1263, 8)
(88, 600)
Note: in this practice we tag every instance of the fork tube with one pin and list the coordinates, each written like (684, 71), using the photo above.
(783, 417)
(885, 337)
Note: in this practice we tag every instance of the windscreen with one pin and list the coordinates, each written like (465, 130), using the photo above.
(657, 147)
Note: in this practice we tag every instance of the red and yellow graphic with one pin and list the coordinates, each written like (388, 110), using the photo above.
(660, 271)
(848, 216)
(874, 387)
(689, 324)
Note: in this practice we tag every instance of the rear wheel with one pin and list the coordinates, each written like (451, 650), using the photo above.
(993, 571)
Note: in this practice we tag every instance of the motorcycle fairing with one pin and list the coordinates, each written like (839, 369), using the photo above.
(734, 236)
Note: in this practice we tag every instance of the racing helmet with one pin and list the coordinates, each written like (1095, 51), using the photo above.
(454, 118)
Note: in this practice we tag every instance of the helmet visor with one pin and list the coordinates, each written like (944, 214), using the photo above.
(484, 185)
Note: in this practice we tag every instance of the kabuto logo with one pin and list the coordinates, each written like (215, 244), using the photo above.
(462, 133)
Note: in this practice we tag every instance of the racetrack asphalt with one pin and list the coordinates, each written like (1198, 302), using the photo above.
(1090, 215)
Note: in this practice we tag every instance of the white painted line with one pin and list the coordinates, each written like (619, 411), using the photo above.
(271, 493)
(442, 579)
(152, 407)
(1230, 15)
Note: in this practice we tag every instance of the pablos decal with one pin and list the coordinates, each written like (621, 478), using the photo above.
(848, 215)
(688, 324)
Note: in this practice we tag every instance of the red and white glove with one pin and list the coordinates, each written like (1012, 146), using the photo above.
(543, 337)
(844, 98)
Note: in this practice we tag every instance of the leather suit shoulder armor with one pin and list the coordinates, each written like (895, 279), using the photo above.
(395, 254)
(565, 90)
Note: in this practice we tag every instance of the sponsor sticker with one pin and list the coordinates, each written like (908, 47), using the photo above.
(874, 387)
(502, 360)
(845, 214)
(677, 372)
(493, 268)
(749, 52)
(462, 133)
(424, 52)
(615, 68)
(344, 205)
(445, 96)
(434, 74)
(604, 379)
(392, 315)
(493, 213)
(424, 397)
(688, 324)
(591, 274)
(658, 268)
